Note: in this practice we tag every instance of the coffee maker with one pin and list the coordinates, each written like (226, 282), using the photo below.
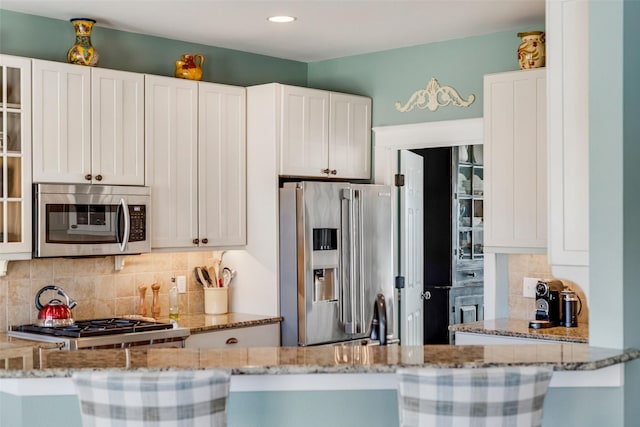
(547, 304)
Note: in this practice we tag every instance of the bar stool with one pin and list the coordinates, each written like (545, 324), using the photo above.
(158, 399)
(510, 396)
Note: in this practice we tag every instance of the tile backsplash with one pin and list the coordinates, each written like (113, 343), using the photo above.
(98, 288)
(529, 265)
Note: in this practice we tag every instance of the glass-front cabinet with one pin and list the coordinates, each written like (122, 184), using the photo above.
(15, 157)
(468, 213)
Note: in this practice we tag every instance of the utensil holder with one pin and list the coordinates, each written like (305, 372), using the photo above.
(216, 300)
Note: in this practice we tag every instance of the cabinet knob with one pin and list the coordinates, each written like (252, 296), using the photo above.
(88, 177)
(474, 274)
(196, 241)
(232, 340)
(325, 171)
(334, 172)
(205, 240)
(98, 177)
(426, 295)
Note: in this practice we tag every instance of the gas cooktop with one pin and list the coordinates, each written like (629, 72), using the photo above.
(96, 327)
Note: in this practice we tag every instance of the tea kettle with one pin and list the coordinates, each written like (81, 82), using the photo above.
(55, 313)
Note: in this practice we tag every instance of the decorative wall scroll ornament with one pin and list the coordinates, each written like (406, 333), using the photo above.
(434, 96)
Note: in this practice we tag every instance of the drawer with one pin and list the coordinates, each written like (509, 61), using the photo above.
(470, 275)
(253, 336)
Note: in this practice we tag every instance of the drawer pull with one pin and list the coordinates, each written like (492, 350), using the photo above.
(232, 340)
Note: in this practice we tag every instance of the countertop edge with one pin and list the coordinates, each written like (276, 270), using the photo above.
(381, 368)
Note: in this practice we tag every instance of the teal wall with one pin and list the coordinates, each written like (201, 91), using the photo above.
(614, 135)
(372, 408)
(394, 75)
(44, 38)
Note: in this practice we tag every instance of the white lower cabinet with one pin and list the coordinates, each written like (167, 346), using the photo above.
(253, 336)
(470, 338)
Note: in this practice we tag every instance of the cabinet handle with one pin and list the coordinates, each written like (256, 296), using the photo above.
(98, 177)
(325, 171)
(196, 241)
(334, 172)
(88, 177)
(205, 240)
(474, 274)
(232, 340)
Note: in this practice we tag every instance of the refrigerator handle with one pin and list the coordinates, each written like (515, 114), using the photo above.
(360, 254)
(345, 209)
(348, 300)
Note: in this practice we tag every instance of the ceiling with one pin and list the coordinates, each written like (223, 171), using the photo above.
(324, 29)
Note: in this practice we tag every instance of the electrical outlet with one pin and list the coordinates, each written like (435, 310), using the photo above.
(529, 287)
(182, 284)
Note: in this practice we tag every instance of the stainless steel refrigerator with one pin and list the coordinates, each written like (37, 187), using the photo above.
(336, 274)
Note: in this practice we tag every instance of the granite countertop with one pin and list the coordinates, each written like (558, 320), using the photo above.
(520, 328)
(198, 323)
(332, 359)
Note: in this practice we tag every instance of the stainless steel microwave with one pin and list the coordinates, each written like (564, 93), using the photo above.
(90, 220)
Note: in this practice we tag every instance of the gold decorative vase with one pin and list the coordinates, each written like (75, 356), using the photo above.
(531, 52)
(82, 52)
(189, 67)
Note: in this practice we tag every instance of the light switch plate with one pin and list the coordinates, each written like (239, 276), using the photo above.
(182, 284)
(529, 287)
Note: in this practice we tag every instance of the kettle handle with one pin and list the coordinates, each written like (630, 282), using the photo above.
(70, 302)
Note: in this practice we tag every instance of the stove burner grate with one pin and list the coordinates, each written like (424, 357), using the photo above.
(96, 327)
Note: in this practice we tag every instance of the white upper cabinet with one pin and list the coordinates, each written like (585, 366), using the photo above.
(324, 134)
(568, 88)
(196, 161)
(97, 132)
(305, 140)
(171, 110)
(515, 154)
(222, 165)
(15, 158)
(349, 136)
(117, 127)
(61, 122)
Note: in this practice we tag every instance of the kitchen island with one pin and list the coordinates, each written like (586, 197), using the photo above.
(357, 382)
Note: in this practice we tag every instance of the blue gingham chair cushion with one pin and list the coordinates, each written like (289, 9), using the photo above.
(511, 396)
(158, 399)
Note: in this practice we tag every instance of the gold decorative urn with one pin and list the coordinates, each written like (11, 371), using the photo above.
(82, 52)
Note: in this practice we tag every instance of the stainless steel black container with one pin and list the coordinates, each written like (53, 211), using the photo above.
(571, 306)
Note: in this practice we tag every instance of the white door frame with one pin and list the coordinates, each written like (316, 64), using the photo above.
(389, 139)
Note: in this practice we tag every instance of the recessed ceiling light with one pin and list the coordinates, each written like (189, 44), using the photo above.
(281, 19)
